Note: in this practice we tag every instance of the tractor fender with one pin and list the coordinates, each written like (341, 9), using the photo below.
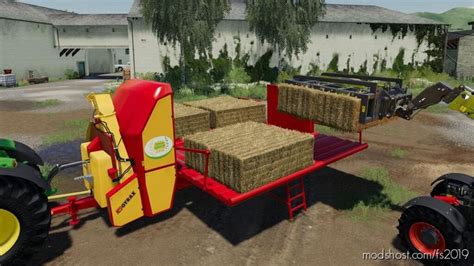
(449, 212)
(23, 153)
(462, 178)
(26, 172)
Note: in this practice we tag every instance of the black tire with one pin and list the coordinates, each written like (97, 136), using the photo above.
(120, 69)
(29, 204)
(453, 238)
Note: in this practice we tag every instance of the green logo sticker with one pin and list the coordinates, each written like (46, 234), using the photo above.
(158, 147)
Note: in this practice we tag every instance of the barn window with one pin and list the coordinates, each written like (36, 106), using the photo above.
(399, 37)
(87, 29)
(327, 36)
(127, 51)
(376, 37)
(113, 29)
(350, 37)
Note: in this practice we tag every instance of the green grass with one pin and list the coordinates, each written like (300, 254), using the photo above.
(110, 87)
(47, 103)
(456, 17)
(325, 130)
(391, 194)
(258, 91)
(188, 98)
(46, 168)
(398, 153)
(438, 109)
(71, 130)
(22, 83)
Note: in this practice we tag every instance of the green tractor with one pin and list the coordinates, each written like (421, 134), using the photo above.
(25, 216)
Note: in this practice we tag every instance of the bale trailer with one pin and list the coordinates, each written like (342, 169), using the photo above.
(132, 165)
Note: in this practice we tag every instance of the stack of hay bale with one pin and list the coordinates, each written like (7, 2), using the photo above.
(226, 110)
(189, 120)
(335, 110)
(248, 155)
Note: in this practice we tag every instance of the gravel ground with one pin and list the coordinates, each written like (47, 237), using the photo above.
(32, 123)
(68, 92)
(459, 129)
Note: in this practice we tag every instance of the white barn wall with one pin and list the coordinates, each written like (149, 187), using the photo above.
(120, 54)
(93, 36)
(363, 46)
(31, 46)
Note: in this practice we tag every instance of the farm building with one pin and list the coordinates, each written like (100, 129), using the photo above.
(353, 37)
(460, 54)
(45, 42)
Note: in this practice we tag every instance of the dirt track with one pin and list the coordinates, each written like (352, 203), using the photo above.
(200, 230)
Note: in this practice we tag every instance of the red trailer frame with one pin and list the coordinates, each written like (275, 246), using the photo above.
(327, 149)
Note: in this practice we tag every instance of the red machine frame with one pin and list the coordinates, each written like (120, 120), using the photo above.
(327, 149)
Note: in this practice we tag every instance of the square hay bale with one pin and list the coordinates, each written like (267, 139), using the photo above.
(189, 120)
(248, 155)
(226, 110)
(335, 110)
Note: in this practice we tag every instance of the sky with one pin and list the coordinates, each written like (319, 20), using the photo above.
(123, 6)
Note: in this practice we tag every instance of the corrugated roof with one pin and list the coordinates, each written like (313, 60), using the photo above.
(89, 19)
(334, 13)
(20, 11)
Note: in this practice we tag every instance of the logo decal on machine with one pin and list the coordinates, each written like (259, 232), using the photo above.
(125, 202)
(158, 147)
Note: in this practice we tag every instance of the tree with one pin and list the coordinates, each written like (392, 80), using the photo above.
(188, 23)
(284, 24)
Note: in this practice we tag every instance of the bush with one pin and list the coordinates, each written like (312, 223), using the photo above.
(334, 64)
(237, 75)
(71, 74)
(254, 91)
(198, 73)
(147, 76)
(221, 66)
(262, 70)
(313, 70)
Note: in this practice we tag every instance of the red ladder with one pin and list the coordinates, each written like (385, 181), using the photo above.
(295, 197)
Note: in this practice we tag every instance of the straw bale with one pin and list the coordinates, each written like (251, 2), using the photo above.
(226, 110)
(189, 120)
(336, 110)
(248, 155)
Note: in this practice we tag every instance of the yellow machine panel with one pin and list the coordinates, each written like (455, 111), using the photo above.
(100, 162)
(105, 111)
(160, 186)
(85, 167)
(125, 203)
(158, 146)
(158, 136)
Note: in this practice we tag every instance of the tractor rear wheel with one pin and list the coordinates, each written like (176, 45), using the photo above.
(423, 230)
(24, 218)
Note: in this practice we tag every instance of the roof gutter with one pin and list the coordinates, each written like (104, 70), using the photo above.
(29, 21)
